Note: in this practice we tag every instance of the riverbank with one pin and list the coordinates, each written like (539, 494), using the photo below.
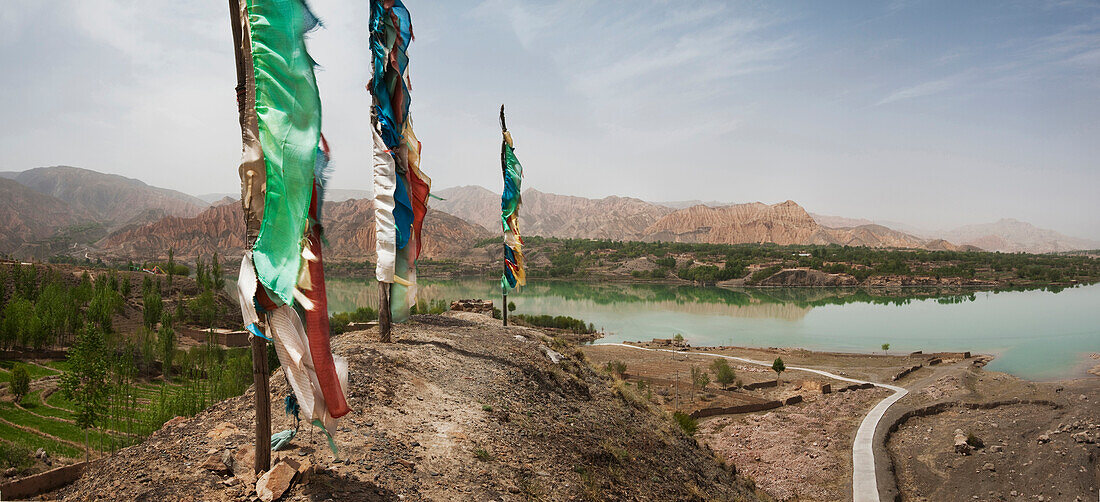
(804, 449)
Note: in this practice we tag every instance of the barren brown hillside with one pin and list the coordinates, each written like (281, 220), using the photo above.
(349, 228)
(458, 408)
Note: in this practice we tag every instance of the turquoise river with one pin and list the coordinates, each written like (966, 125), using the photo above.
(1039, 334)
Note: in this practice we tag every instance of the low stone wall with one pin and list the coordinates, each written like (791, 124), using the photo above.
(907, 371)
(228, 339)
(473, 305)
(23, 354)
(760, 385)
(733, 410)
(792, 400)
(41, 483)
(952, 355)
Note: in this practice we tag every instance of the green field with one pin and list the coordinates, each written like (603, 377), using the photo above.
(135, 410)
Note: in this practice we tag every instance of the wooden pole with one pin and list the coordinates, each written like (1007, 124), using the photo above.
(384, 320)
(260, 374)
(504, 258)
(260, 371)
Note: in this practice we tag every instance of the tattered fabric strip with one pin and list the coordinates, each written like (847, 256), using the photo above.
(400, 210)
(316, 313)
(510, 201)
(288, 111)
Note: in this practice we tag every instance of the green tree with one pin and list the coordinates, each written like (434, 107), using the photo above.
(200, 273)
(166, 344)
(216, 273)
(85, 383)
(19, 317)
(179, 307)
(105, 303)
(205, 307)
(171, 265)
(152, 307)
(126, 286)
(778, 367)
(678, 338)
(885, 347)
(723, 374)
(511, 306)
(20, 382)
(700, 379)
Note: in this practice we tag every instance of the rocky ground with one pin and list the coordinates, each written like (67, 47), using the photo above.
(458, 408)
(796, 452)
(1040, 439)
(799, 452)
(1043, 448)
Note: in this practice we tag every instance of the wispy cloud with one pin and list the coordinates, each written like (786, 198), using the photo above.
(1071, 52)
(648, 57)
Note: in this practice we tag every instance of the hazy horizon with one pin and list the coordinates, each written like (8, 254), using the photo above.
(935, 114)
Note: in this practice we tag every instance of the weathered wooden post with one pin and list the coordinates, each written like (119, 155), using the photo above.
(384, 318)
(504, 170)
(260, 371)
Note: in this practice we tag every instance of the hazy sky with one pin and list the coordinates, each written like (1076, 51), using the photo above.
(930, 113)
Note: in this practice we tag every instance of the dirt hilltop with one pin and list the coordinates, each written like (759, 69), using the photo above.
(458, 408)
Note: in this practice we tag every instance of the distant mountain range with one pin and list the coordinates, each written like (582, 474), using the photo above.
(349, 229)
(625, 218)
(108, 198)
(69, 210)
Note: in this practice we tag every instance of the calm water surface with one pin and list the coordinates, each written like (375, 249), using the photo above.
(1036, 334)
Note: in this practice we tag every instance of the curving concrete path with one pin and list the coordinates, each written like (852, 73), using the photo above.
(864, 479)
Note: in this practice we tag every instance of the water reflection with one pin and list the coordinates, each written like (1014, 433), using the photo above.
(1038, 333)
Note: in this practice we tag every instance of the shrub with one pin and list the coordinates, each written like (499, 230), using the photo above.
(615, 368)
(723, 374)
(687, 424)
(557, 322)
(974, 441)
(20, 382)
(764, 273)
(14, 455)
(699, 378)
(483, 455)
(339, 322)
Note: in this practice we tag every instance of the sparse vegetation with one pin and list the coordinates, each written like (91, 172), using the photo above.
(617, 368)
(15, 456)
(723, 373)
(557, 322)
(482, 454)
(687, 424)
(339, 322)
(699, 379)
(709, 263)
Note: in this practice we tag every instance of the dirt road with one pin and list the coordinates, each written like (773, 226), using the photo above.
(864, 472)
